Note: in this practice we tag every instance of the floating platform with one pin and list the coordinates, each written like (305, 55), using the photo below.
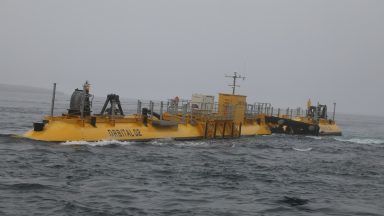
(198, 118)
(194, 119)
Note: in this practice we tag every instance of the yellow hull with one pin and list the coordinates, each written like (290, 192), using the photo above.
(329, 129)
(61, 129)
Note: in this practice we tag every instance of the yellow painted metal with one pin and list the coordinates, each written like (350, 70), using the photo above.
(75, 129)
(233, 106)
(253, 129)
(72, 128)
(329, 127)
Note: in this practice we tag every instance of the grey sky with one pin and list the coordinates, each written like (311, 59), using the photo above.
(329, 50)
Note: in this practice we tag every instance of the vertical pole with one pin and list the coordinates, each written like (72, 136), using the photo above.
(234, 84)
(278, 112)
(138, 107)
(191, 116)
(161, 110)
(53, 99)
(270, 109)
(184, 107)
(252, 108)
(82, 104)
(151, 107)
(334, 111)
(317, 111)
(262, 108)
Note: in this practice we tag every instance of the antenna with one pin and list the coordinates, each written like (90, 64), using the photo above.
(235, 76)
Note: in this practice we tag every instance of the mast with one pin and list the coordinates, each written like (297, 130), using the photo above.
(334, 111)
(53, 99)
(235, 76)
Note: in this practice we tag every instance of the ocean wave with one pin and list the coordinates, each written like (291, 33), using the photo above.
(361, 141)
(302, 150)
(25, 186)
(98, 143)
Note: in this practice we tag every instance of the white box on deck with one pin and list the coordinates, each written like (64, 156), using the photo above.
(202, 102)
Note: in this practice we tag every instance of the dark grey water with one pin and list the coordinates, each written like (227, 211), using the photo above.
(266, 175)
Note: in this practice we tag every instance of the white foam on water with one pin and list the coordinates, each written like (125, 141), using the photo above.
(160, 142)
(302, 150)
(97, 143)
(157, 142)
(315, 137)
(361, 141)
(190, 143)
